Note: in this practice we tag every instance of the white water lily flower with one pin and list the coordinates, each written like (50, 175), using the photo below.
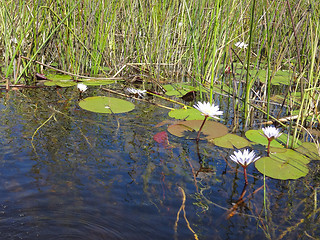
(138, 92)
(244, 158)
(82, 87)
(241, 45)
(207, 109)
(271, 132)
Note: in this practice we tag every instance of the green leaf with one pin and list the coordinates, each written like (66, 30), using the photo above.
(283, 140)
(187, 114)
(288, 165)
(60, 83)
(178, 89)
(189, 129)
(231, 141)
(280, 78)
(101, 104)
(58, 77)
(98, 82)
(258, 137)
(309, 149)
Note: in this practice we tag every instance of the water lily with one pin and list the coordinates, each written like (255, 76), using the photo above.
(137, 92)
(82, 87)
(241, 45)
(271, 133)
(244, 158)
(208, 110)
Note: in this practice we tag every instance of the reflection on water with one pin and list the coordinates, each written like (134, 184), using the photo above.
(98, 176)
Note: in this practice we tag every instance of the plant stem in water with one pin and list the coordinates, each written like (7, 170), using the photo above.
(198, 136)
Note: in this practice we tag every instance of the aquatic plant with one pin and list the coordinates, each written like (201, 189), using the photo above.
(208, 110)
(244, 158)
(82, 87)
(137, 92)
(271, 133)
(241, 45)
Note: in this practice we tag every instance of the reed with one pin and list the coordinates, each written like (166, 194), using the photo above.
(170, 40)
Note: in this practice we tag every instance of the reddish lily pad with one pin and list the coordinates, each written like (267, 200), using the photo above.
(189, 129)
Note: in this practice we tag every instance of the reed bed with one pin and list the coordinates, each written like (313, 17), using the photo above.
(173, 41)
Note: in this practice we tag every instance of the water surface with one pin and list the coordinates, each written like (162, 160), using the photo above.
(67, 173)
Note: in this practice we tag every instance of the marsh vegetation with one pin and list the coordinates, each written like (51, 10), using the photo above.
(257, 60)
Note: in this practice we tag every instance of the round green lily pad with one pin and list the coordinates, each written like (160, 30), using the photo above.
(189, 129)
(287, 165)
(258, 137)
(231, 141)
(187, 114)
(101, 104)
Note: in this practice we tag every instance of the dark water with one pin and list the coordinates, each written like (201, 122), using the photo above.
(96, 176)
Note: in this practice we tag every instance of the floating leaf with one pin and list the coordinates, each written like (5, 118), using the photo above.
(187, 114)
(288, 165)
(189, 129)
(98, 82)
(102, 104)
(189, 96)
(283, 140)
(281, 77)
(309, 149)
(222, 89)
(60, 83)
(231, 141)
(162, 139)
(178, 89)
(59, 77)
(258, 137)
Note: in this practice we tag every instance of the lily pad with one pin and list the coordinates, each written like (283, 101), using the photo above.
(186, 114)
(288, 165)
(101, 104)
(60, 83)
(231, 141)
(58, 77)
(309, 149)
(225, 89)
(283, 140)
(178, 89)
(98, 82)
(281, 77)
(189, 129)
(258, 137)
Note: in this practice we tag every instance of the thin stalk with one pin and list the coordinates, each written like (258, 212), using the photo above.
(248, 84)
(46, 40)
(199, 132)
(245, 174)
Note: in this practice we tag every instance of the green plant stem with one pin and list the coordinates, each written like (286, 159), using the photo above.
(248, 82)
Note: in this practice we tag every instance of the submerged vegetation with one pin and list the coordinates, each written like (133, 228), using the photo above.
(261, 57)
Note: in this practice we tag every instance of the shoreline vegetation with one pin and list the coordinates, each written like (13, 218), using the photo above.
(247, 50)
